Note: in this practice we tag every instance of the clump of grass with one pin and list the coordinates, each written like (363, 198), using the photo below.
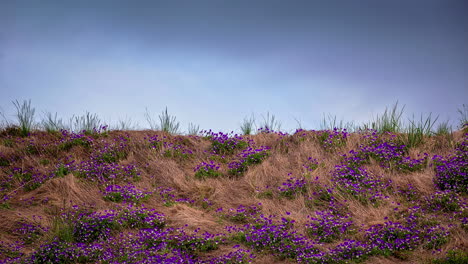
(4, 123)
(89, 123)
(443, 129)
(51, 123)
(270, 123)
(349, 126)
(453, 257)
(247, 125)
(414, 135)
(25, 116)
(125, 124)
(193, 129)
(464, 117)
(167, 123)
(388, 122)
(152, 123)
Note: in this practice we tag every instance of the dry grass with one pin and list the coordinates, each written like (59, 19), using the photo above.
(288, 154)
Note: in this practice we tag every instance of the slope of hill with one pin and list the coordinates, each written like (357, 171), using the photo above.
(309, 197)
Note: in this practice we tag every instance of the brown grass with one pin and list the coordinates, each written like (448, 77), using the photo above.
(288, 156)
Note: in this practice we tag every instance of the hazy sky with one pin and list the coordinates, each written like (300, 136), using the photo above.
(215, 62)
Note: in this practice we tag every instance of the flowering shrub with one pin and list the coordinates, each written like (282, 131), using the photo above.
(207, 170)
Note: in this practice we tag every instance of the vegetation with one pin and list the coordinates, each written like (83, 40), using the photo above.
(25, 116)
(341, 195)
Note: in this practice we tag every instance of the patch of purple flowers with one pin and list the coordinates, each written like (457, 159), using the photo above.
(126, 193)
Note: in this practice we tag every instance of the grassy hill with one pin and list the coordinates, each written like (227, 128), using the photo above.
(325, 196)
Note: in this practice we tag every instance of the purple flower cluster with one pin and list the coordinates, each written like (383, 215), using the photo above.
(341, 253)
(224, 143)
(392, 236)
(29, 178)
(293, 186)
(106, 172)
(311, 164)
(169, 198)
(357, 182)
(445, 201)
(152, 243)
(111, 153)
(126, 193)
(170, 150)
(279, 238)
(267, 130)
(11, 252)
(88, 226)
(155, 142)
(332, 139)
(30, 232)
(207, 170)
(248, 156)
(141, 217)
(328, 226)
(71, 139)
(321, 196)
(390, 154)
(452, 172)
(241, 214)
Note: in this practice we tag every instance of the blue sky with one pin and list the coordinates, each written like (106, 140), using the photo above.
(213, 63)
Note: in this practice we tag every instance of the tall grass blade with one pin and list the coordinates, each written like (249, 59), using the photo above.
(87, 123)
(25, 116)
(168, 123)
(51, 123)
(247, 125)
(464, 117)
(270, 123)
(193, 129)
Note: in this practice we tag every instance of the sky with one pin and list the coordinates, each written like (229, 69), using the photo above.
(213, 63)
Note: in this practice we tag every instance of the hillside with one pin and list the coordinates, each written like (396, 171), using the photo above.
(310, 197)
